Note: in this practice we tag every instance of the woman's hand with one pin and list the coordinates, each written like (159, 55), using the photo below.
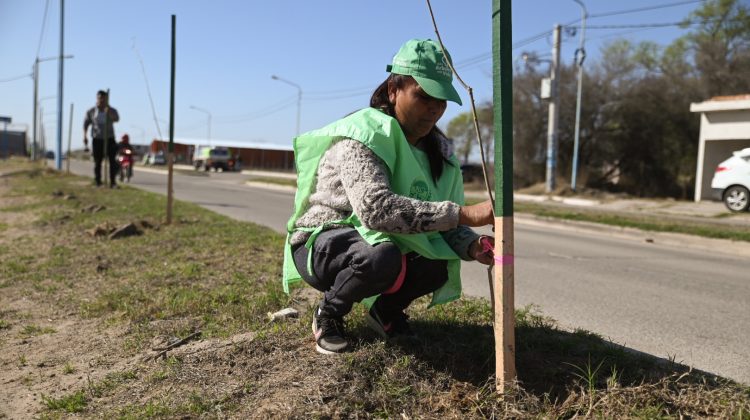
(482, 249)
(476, 215)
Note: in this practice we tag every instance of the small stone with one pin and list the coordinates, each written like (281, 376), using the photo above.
(283, 314)
(129, 229)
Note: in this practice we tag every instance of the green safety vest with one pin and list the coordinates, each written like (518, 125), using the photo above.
(409, 173)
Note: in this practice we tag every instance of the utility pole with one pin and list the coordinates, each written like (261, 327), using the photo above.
(36, 108)
(299, 96)
(554, 116)
(58, 154)
(209, 121)
(582, 51)
(35, 135)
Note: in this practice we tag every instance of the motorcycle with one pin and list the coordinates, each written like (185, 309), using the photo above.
(125, 161)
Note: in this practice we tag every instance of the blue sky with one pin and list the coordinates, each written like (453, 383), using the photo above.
(336, 50)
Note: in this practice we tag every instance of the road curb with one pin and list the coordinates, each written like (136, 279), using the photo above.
(724, 246)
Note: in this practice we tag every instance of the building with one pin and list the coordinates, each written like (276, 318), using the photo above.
(12, 143)
(725, 128)
(253, 155)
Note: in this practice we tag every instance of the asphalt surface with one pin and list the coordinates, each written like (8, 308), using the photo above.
(686, 302)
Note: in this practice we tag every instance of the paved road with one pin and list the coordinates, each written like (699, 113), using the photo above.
(663, 300)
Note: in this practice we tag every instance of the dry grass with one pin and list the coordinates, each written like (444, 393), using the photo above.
(103, 306)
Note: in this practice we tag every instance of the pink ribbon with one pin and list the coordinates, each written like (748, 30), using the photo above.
(504, 259)
(400, 279)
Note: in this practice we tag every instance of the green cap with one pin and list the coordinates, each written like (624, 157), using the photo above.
(423, 60)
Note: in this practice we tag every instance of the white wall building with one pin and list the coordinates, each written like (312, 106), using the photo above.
(725, 128)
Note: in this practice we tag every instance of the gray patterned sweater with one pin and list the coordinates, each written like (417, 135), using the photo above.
(352, 178)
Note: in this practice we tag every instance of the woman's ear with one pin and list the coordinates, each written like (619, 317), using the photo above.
(392, 92)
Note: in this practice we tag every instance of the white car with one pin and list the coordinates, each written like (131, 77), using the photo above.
(731, 182)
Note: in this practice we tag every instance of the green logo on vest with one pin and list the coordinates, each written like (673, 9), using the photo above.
(419, 190)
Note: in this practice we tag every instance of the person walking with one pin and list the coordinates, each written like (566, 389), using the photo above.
(101, 118)
(379, 215)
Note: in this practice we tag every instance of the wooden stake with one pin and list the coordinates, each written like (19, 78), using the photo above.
(505, 322)
(70, 133)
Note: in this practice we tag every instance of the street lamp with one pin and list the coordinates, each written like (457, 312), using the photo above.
(209, 121)
(582, 51)
(299, 96)
(39, 120)
(36, 99)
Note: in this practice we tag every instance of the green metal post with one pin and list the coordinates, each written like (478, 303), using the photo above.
(170, 150)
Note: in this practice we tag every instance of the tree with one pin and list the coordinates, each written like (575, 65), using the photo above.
(720, 46)
(643, 135)
(461, 129)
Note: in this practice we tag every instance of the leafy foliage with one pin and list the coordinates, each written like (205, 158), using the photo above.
(637, 132)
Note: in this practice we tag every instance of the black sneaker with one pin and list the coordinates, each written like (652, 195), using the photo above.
(395, 326)
(329, 334)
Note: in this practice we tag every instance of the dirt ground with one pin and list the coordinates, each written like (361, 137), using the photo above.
(33, 362)
(48, 351)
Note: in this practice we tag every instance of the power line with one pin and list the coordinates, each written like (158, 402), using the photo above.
(44, 22)
(353, 94)
(638, 25)
(486, 56)
(643, 9)
(148, 89)
(661, 25)
(616, 34)
(10, 79)
(264, 114)
(325, 92)
(283, 104)
(251, 114)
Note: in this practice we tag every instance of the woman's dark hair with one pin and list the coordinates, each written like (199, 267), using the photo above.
(431, 141)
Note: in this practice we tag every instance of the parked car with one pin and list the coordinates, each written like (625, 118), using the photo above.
(731, 182)
(157, 158)
(211, 157)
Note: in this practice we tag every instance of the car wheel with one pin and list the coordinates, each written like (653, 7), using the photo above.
(737, 198)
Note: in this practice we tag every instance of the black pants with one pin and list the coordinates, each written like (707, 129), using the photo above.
(98, 151)
(347, 269)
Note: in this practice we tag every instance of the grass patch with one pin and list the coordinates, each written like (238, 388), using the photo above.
(74, 403)
(274, 180)
(220, 276)
(35, 330)
(68, 369)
